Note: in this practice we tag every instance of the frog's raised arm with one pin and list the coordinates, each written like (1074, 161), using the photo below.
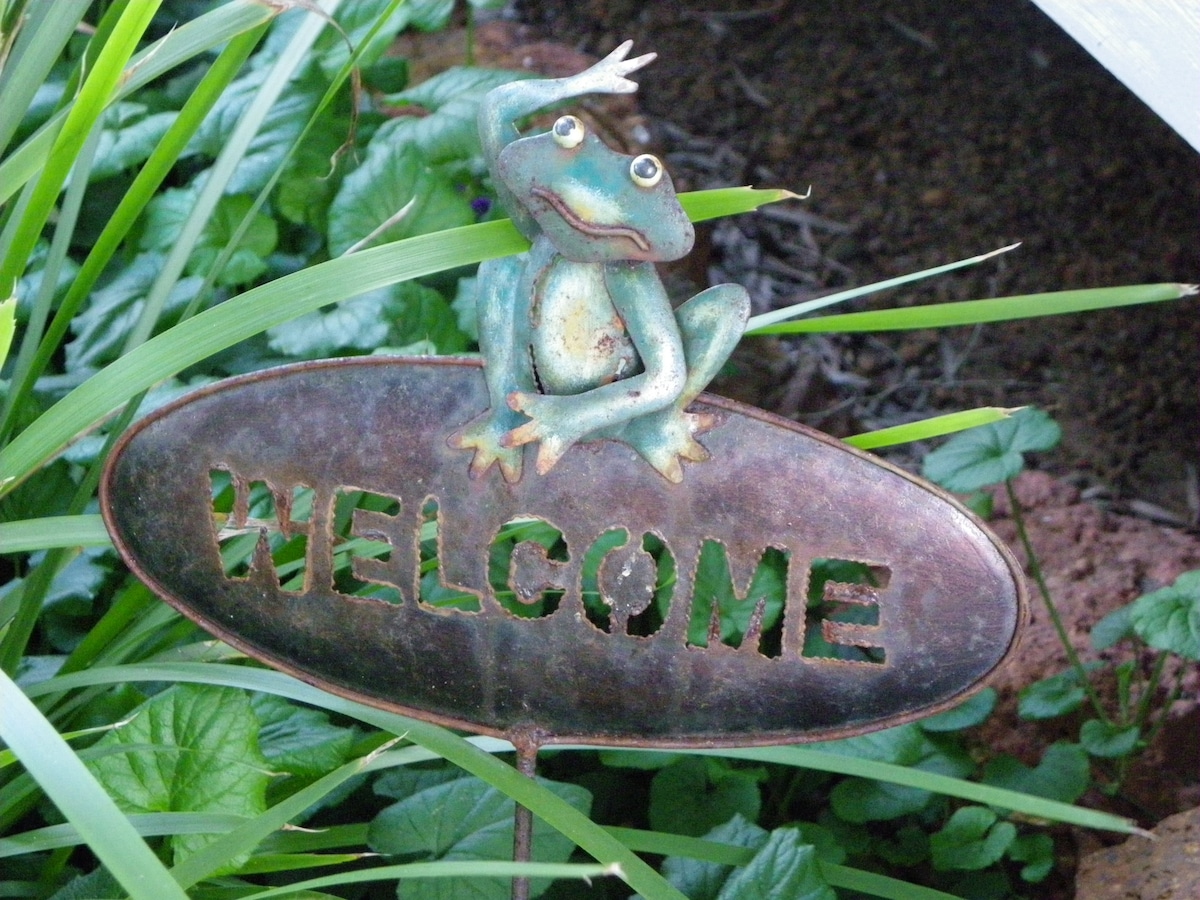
(503, 106)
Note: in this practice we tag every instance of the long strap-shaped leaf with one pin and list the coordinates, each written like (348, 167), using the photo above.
(974, 312)
(81, 799)
(550, 807)
(280, 301)
(94, 95)
(189, 40)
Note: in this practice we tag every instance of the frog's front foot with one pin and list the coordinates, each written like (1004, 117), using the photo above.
(485, 435)
(666, 438)
(554, 425)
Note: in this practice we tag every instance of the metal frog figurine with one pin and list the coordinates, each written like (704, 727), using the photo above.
(579, 339)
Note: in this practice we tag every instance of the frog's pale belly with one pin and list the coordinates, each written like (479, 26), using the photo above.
(578, 340)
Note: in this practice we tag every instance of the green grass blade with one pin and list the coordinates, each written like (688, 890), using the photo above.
(702, 205)
(250, 834)
(53, 531)
(181, 45)
(94, 95)
(44, 33)
(664, 844)
(759, 324)
(32, 360)
(879, 885)
(242, 317)
(8, 326)
(332, 92)
(147, 825)
(555, 811)
(974, 312)
(935, 426)
(1026, 804)
(297, 862)
(8, 758)
(445, 870)
(77, 794)
(330, 838)
(56, 257)
(274, 80)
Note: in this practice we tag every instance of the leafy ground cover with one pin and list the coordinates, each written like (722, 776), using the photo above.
(191, 191)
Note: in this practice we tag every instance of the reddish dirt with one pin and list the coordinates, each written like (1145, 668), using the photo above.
(1094, 562)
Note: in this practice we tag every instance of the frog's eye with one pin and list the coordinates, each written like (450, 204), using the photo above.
(645, 170)
(568, 132)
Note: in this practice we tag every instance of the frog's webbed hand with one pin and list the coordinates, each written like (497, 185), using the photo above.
(608, 75)
(555, 424)
(666, 438)
(485, 435)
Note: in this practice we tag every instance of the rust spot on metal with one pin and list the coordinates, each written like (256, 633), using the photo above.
(316, 517)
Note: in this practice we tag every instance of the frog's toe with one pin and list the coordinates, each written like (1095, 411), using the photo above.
(526, 434)
(550, 451)
(524, 401)
(484, 438)
(664, 441)
(667, 460)
(508, 460)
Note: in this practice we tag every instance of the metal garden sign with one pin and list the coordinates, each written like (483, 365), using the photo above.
(512, 547)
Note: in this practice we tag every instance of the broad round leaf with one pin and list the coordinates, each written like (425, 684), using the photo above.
(1063, 774)
(991, 453)
(1169, 619)
(1054, 696)
(968, 713)
(784, 869)
(1108, 740)
(971, 840)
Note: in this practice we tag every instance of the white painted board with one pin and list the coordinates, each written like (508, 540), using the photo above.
(1153, 46)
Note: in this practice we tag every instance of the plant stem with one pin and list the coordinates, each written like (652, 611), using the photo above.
(1175, 694)
(1151, 688)
(1035, 570)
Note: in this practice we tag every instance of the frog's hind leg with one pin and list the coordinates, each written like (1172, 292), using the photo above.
(711, 324)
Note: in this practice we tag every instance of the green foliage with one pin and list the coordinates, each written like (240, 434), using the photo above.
(1037, 852)
(300, 741)
(1166, 620)
(1063, 773)
(693, 795)
(1112, 629)
(783, 865)
(189, 749)
(8, 326)
(1169, 619)
(217, 200)
(991, 454)
(465, 819)
(1108, 739)
(972, 839)
(1054, 696)
(971, 712)
(785, 868)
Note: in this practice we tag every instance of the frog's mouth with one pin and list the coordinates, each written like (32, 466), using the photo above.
(593, 229)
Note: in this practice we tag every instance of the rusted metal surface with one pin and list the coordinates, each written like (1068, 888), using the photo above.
(943, 611)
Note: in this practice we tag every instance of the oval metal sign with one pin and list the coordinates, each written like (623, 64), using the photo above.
(319, 518)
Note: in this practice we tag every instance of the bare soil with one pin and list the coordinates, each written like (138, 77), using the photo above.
(930, 132)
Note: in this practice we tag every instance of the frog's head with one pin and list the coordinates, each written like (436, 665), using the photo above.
(594, 204)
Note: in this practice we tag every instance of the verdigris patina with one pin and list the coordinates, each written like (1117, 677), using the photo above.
(578, 336)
